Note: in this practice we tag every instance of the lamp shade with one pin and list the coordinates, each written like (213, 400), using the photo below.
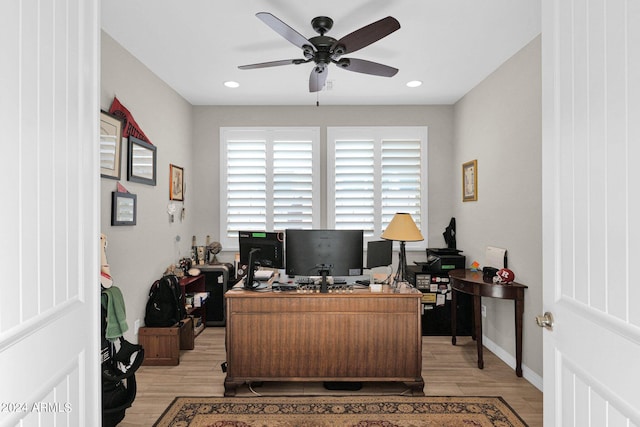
(402, 228)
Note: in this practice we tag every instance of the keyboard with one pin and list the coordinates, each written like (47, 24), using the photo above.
(311, 280)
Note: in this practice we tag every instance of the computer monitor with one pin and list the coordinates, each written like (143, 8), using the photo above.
(324, 252)
(260, 249)
(271, 245)
(379, 253)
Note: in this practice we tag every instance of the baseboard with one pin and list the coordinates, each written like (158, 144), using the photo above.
(528, 374)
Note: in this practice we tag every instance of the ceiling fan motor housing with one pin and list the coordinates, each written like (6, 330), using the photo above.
(322, 24)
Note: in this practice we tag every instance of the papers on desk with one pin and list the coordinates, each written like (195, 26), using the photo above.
(263, 275)
(495, 257)
(199, 298)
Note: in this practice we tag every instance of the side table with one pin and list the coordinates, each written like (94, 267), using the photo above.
(471, 282)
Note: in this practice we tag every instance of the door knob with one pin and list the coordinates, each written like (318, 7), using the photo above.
(545, 321)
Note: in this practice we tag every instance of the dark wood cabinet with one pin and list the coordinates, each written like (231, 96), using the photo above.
(190, 285)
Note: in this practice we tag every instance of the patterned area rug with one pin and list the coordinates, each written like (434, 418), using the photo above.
(326, 411)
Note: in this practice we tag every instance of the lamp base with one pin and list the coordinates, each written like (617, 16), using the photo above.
(402, 268)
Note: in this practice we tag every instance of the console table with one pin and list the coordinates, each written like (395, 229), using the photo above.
(471, 282)
(290, 336)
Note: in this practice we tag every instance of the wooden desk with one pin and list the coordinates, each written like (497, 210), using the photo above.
(470, 282)
(290, 336)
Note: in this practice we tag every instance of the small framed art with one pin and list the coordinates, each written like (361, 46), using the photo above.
(123, 208)
(470, 181)
(176, 183)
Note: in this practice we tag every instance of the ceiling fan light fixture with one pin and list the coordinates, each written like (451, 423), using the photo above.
(344, 62)
(414, 83)
(231, 84)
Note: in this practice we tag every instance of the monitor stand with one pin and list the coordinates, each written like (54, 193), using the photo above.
(324, 271)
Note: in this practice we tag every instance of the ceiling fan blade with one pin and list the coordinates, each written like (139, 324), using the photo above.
(318, 78)
(284, 30)
(367, 67)
(272, 64)
(366, 35)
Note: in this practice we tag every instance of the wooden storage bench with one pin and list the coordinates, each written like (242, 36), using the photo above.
(162, 345)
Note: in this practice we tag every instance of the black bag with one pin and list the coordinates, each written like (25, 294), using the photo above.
(164, 307)
(118, 376)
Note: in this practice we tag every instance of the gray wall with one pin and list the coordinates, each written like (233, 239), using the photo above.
(139, 254)
(208, 120)
(499, 124)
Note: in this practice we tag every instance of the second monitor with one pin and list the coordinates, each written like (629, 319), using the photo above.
(260, 249)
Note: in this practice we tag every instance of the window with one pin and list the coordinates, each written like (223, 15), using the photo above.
(269, 180)
(374, 172)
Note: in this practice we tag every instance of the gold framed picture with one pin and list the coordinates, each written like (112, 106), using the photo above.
(176, 183)
(470, 181)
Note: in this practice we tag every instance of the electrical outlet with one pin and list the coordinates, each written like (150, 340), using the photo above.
(136, 326)
(484, 310)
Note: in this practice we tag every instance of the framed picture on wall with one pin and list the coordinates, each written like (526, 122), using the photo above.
(110, 143)
(142, 161)
(176, 183)
(470, 181)
(123, 208)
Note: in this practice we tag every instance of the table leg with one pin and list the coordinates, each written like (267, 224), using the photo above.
(519, 309)
(454, 316)
(477, 313)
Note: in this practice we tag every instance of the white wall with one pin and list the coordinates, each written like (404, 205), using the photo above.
(140, 254)
(499, 124)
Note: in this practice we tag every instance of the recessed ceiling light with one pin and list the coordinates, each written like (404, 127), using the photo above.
(414, 83)
(232, 84)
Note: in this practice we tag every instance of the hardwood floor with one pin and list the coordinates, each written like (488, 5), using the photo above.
(447, 371)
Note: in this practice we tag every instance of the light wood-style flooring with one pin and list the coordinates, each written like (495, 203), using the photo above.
(447, 371)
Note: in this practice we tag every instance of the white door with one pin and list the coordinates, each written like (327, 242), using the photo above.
(591, 212)
(49, 249)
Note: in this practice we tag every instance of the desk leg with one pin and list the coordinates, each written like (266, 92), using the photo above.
(454, 316)
(519, 309)
(477, 317)
(230, 387)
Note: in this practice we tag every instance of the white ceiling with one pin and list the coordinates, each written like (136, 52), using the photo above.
(196, 45)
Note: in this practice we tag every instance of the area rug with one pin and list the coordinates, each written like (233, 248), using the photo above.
(326, 411)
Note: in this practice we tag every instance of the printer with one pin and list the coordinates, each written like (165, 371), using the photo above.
(431, 277)
(442, 260)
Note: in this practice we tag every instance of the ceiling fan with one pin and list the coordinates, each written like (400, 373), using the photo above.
(324, 50)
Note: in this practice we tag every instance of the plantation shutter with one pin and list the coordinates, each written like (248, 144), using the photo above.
(401, 185)
(355, 182)
(271, 180)
(373, 173)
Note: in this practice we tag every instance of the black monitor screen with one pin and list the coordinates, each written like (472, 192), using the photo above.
(379, 253)
(270, 245)
(338, 251)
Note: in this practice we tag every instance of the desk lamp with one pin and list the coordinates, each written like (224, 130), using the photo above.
(402, 228)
